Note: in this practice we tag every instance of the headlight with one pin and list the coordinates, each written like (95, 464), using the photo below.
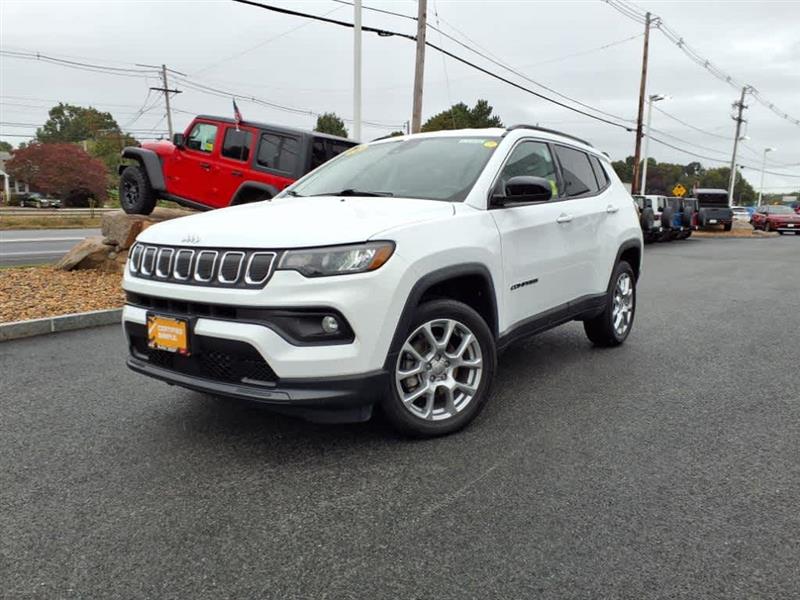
(337, 260)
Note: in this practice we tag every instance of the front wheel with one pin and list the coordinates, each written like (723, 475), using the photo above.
(136, 196)
(728, 226)
(612, 326)
(443, 373)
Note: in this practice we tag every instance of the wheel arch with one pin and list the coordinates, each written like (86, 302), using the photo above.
(470, 283)
(631, 252)
(149, 162)
(248, 188)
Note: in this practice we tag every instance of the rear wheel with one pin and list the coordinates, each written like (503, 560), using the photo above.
(728, 226)
(444, 370)
(612, 326)
(135, 193)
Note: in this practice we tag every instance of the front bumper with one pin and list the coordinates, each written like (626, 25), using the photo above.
(236, 370)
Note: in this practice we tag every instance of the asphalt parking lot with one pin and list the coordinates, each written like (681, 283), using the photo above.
(669, 467)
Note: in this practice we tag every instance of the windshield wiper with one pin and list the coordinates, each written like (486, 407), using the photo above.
(294, 194)
(352, 192)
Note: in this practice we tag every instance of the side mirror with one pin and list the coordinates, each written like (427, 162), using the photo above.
(177, 139)
(522, 189)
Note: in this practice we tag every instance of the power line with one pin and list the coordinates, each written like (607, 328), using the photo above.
(673, 36)
(94, 68)
(386, 33)
(690, 126)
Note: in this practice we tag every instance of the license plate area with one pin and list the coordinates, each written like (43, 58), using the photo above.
(170, 334)
(712, 221)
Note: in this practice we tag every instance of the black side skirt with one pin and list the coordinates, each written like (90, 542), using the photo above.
(585, 307)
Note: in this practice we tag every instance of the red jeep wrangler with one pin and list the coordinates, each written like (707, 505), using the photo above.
(215, 164)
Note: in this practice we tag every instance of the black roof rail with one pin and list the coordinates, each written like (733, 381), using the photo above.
(546, 130)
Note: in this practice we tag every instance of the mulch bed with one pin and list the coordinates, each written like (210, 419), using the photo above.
(37, 292)
(740, 230)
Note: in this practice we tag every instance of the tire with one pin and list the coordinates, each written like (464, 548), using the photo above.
(780, 233)
(647, 220)
(667, 216)
(601, 330)
(688, 234)
(135, 193)
(728, 226)
(408, 406)
(686, 218)
(701, 220)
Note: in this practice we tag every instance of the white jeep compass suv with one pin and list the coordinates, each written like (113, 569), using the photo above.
(391, 275)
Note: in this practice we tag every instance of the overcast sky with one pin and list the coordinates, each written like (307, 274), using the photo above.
(308, 65)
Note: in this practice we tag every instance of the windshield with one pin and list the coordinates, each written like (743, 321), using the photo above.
(780, 210)
(435, 168)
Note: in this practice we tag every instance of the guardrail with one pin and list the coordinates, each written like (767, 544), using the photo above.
(12, 211)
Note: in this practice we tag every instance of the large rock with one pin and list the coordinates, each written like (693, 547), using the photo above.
(120, 229)
(110, 251)
(86, 254)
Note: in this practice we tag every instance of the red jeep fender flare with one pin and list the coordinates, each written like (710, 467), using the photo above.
(149, 161)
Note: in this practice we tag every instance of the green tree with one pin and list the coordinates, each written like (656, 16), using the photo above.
(70, 123)
(5, 147)
(461, 116)
(331, 124)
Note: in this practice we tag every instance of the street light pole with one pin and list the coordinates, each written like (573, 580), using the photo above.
(763, 166)
(357, 70)
(650, 100)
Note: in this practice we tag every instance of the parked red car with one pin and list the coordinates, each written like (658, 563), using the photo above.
(218, 163)
(776, 218)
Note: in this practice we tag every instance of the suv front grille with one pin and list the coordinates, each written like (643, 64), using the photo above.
(207, 267)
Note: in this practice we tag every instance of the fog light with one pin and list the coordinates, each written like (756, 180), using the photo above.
(330, 324)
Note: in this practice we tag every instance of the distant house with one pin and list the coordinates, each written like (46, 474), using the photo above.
(10, 186)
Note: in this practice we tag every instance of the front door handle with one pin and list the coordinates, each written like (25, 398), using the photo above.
(564, 218)
(611, 209)
(205, 166)
(237, 173)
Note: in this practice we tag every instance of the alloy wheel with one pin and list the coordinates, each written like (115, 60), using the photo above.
(622, 310)
(130, 193)
(439, 369)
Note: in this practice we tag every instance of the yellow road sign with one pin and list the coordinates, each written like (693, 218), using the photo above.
(679, 190)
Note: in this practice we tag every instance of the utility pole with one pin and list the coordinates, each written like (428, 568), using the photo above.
(165, 89)
(763, 168)
(357, 70)
(739, 120)
(652, 98)
(419, 68)
(642, 88)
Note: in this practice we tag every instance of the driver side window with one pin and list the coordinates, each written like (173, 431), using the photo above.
(532, 159)
(202, 137)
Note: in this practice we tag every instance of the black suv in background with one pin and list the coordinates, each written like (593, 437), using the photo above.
(713, 209)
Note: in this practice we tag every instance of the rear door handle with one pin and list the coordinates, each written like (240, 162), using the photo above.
(237, 173)
(205, 166)
(611, 209)
(563, 218)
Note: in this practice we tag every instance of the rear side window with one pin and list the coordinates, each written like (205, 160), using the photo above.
(319, 152)
(599, 172)
(278, 152)
(236, 144)
(338, 147)
(202, 137)
(578, 175)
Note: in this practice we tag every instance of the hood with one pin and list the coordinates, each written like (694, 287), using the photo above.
(296, 222)
(161, 147)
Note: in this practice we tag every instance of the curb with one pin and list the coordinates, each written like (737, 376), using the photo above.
(23, 329)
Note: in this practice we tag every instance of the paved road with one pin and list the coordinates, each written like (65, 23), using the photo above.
(667, 468)
(38, 246)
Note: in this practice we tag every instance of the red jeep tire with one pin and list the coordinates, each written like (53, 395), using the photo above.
(135, 193)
